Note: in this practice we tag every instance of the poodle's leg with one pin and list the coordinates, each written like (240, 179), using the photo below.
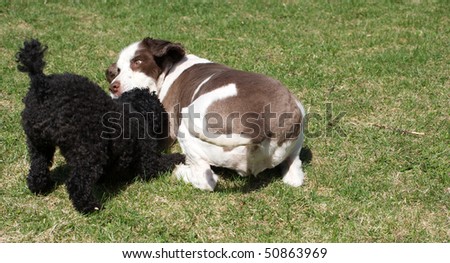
(80, 185)
(41, 156)
(292, 167)
(197, 172)
(87, 162)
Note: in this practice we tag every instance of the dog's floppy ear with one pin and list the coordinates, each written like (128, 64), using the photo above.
(164, 51)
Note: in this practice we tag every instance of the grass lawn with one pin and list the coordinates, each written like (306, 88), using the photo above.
(374, 76)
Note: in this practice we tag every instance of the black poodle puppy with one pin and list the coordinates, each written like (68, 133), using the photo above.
(98, 136)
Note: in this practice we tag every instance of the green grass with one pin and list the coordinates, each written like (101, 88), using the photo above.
(386, 64)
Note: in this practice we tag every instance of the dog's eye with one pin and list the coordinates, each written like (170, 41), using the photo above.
(137, 62)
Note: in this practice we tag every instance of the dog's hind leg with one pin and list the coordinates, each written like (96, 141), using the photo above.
(292, 167)
(197, 169)
(197, 172)
(41, 158)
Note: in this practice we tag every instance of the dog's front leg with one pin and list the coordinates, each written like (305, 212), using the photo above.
(80, 185)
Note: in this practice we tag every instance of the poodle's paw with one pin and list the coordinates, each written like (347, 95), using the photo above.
(89, 207)
(178, 158)
(40, 185)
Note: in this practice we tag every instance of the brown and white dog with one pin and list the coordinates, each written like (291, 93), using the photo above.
(221, 116)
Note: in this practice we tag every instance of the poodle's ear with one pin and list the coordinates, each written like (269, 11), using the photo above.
(164, 51)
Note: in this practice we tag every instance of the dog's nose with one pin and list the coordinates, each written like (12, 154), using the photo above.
(112, 72)
(114, 87)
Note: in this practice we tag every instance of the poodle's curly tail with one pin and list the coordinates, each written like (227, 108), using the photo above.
(31, 58)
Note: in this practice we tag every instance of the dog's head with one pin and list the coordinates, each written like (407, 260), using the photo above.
(145, 107)
(141, 65)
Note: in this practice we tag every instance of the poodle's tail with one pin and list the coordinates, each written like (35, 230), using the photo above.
(31, 58)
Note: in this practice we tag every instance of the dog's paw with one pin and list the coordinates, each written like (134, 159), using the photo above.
(205, 180)
(178, 158)
(294, 179)
(89, 207)
(40, 186)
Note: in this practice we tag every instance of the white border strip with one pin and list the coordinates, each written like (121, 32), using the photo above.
(348, 253)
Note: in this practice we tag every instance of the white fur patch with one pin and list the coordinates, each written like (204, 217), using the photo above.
(200, 86)
(194, 117)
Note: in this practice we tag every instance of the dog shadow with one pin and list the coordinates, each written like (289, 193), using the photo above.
(262, 180)
(60, 174)
(105, 189)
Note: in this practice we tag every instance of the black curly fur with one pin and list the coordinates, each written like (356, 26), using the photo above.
(67, 111)
(31, 57)
(150, 108)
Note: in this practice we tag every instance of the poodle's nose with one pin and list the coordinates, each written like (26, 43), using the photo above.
(112, 72)
(114, 87)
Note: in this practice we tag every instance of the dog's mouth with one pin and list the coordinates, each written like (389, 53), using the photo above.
(115, 95)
